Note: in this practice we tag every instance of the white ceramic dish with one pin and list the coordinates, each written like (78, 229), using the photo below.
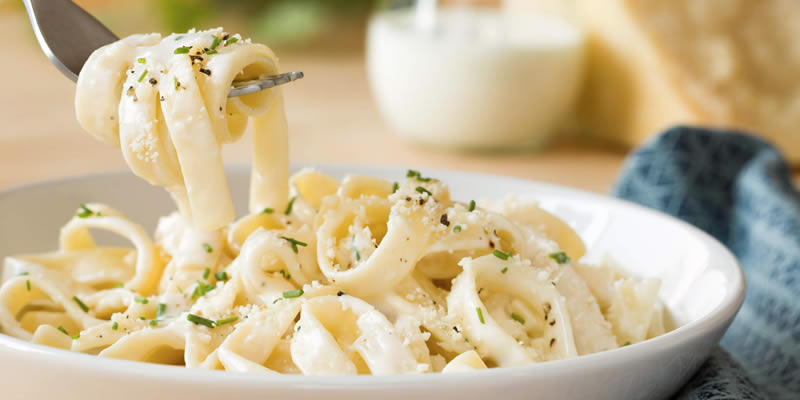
(703, 286)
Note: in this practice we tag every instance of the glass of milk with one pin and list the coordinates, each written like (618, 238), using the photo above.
(468, 77)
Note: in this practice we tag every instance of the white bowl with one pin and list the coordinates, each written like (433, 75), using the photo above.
(703, 287)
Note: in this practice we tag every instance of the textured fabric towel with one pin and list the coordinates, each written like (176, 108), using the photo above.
(738, 189)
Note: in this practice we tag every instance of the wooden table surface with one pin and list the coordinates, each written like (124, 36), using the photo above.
(332, 119)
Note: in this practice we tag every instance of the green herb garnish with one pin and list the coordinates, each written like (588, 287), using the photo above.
(211, 51)
(226, 320)
(502, 255)
(207, 247)
(628, 343)
(293, 293)
(457, 228)
(471, 206)
(114, 326)
(560, 257)
(288, 209)
(480, 314)
(141, 77)
(518, 318)
(23, 273)
(231, 41)
(84, 212)
(294, 243)
(214, 42)
(504, 270)
(28, 284)
(64, 331)
(421, 190)
(153, 322)
(221, 276)
(81, 304)
(268, 211)
(417, 175)
(395, 186)
(141, 300)
(201, 289)
(162, 309)
(119, 285)
(182, 50)
(141, 60)
(198, 320)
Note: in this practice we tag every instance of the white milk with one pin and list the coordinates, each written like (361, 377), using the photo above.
(474, 78)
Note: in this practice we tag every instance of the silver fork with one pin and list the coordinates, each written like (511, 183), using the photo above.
(68, 35)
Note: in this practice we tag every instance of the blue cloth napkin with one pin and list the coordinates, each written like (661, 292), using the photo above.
(738, 189)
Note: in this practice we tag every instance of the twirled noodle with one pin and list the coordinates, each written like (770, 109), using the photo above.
(322, 277)
(165, 103)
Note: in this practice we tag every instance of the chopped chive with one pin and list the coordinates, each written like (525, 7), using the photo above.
(141, 60)
(268, 211)
(141, 300)
(214, 42)
(206, 273)
(23, 273)
(28, 284)
(221, 276)
(153, 322)
(231, 41)
(417, 175)
(480, 314)
(293, 293)
(177, 84)
(81, 304)
(560, 257)
(421, 190)
(141, 77)
(182, 50)
(84, 212)
(64, 331)
(518, 318)
(178, 37)
(277, 300)
(119, 285)
(211, 51)
(114, 326)
(162, 309)
(226, 320)
(207, 247)
(395, 186)
(501, 255)
(552, 283)
(76, 336)
(288, 209)
(201, 289)
(628, 343)
(198, 320)
(504, 270)
(471, 206)
(358, 255)
(457, 228)
(294, 243)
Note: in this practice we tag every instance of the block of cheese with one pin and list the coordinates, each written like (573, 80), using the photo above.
(656, 63)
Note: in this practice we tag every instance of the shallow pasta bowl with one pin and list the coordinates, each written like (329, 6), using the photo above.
(702, 286)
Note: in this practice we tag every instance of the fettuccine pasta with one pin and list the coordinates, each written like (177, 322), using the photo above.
(322, 276)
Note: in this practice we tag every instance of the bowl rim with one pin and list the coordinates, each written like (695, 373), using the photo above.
(720, 316)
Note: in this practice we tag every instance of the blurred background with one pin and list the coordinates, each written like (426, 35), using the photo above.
(553, 90)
